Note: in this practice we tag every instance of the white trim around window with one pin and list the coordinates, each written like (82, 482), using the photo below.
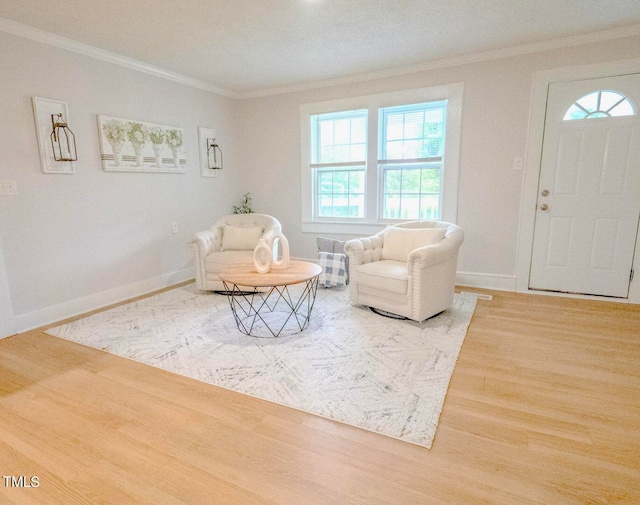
(452, 93)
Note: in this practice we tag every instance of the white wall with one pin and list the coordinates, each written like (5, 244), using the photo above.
(72, 243)
(76, 242)
(497, 95)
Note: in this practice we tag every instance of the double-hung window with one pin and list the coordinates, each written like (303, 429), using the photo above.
(410, 160)
(338, 160)
(374, 160)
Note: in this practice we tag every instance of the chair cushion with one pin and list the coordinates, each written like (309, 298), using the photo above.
(217, 261)
(235, 238)
(399, 242)
(388, 275)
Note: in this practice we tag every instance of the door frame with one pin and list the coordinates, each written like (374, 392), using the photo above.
(533, 159)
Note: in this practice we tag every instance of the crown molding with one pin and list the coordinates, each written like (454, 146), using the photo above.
(35, 34)
(44, 37)
(547, 45)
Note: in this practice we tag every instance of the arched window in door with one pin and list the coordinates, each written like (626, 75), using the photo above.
(601, 103)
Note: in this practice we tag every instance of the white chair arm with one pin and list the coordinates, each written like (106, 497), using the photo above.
(355, 250)
(364, 250)
(204, 243)
(438, 253)
(432, 254)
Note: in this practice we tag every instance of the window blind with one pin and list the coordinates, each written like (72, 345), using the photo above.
(339, 139)
(412, 133)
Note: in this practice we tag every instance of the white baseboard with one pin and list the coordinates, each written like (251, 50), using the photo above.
(486, 281)
(49, 315)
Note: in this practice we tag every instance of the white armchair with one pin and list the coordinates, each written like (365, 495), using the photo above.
(408, 269)
(229, 241)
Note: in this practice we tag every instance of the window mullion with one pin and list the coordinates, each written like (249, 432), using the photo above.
(372, 192)
(420, 193)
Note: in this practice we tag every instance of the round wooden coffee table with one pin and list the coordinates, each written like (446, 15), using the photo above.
(273, 304)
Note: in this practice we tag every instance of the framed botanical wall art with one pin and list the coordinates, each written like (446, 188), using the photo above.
(137, 146)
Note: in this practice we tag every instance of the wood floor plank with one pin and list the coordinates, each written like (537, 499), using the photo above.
(543, 409)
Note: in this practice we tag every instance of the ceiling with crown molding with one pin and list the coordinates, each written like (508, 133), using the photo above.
(247, 47)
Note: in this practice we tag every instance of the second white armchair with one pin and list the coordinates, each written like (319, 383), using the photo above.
(408, 269)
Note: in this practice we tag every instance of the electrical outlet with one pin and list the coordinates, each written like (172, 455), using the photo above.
(174, 227)
(8, 188)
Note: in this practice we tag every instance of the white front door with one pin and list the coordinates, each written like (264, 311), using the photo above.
(588, 206)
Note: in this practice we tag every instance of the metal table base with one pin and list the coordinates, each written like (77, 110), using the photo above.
(272, 313)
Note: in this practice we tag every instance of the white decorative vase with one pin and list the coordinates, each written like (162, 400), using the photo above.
(262, 257)
(139, 157)
(283, 262)
(117, 155)
(176, 157)
(157, 151)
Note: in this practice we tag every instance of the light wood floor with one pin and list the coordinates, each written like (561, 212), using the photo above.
(543, 408)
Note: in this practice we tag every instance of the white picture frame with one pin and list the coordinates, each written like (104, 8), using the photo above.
(43, 109)
(205, 133)
(128, 145)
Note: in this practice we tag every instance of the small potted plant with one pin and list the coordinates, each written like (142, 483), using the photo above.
(244, 207)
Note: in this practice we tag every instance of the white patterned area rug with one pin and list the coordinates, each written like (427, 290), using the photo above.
(351, 365)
